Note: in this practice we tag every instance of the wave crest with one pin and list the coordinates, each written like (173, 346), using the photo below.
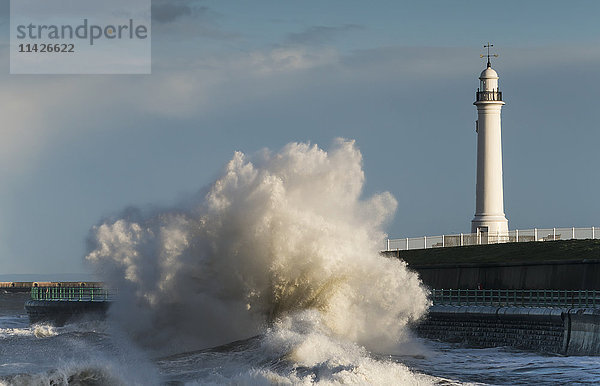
(276, 234)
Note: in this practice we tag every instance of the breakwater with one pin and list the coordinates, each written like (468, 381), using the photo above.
(59, 305)
(566, 331)
(554, 321)
(557, 265)
(59, 313)
(557, 275)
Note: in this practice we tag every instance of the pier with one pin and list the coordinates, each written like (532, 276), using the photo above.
(551, 321)
(61, 304)
(538, 296)
(26, 286)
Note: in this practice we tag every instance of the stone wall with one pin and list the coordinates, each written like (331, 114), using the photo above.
(584, 332)
(550, 330)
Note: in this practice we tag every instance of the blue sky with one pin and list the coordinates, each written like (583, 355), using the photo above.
(399, 77)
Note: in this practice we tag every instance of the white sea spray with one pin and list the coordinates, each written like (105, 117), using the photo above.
(278, 238)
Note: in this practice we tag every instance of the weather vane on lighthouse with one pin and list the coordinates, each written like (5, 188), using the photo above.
(488, 46)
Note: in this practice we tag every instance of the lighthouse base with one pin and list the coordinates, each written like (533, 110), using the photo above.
(494, 226)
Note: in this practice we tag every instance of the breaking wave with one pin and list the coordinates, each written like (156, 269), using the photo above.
(283, 245)
(37, 330)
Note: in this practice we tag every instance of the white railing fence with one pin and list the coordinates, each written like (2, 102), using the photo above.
(482, 238)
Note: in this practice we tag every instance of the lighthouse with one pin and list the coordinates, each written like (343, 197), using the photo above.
(489, 208)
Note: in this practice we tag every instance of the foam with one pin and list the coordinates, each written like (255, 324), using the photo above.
(278, 237)
(37, 330)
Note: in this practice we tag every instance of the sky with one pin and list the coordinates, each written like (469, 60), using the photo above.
(399, 77)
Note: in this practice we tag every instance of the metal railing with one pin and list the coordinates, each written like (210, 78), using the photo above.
(483, 238)
(30, 284)
(488, 96)
(517, 298)
(72, 294)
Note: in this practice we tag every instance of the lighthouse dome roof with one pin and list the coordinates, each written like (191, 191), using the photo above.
(488, 73)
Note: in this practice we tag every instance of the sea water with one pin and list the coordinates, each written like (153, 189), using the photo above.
(93, 353)
(270, 275)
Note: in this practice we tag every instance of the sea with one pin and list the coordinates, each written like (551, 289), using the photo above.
(95, 353)
(270, 275)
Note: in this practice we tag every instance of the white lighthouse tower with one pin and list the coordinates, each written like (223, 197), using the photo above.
(489, 210)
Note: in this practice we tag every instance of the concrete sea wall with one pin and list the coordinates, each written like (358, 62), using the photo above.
(584, 332)
(551, 265)
(556, 275)
(60, 312)
(550, 330)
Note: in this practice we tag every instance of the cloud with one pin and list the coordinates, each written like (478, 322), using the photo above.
(288, 59)
(187, 19)
(39, 111)
(168, 11)
(320, 34)
(202, 84)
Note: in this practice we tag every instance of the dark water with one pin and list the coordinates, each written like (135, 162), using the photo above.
(504, 366)
(95, 353)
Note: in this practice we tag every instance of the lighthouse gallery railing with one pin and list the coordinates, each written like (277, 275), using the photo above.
(488, 96)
